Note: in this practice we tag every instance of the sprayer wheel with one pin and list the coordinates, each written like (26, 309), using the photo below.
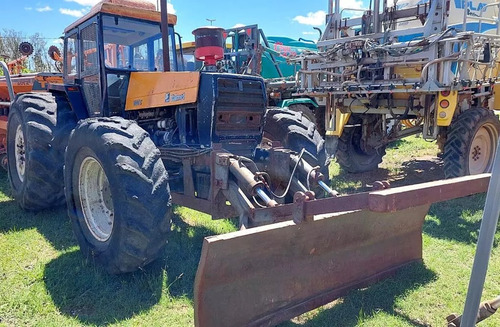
(471, 143)
(351, 155)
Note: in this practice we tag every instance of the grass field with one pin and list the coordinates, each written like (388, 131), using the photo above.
(44, 281)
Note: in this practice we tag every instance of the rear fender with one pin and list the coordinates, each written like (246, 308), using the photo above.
(289, 102)
(335, 123)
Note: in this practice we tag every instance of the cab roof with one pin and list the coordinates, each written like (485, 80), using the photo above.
(139, 9)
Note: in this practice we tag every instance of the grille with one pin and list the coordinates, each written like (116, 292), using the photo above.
(89, 62)
(239, 113)
(92, 91)
(239, 108)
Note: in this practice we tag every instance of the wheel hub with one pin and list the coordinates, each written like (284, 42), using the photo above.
(95, 199)
(476, 153)
(20, 153)
(482, 149)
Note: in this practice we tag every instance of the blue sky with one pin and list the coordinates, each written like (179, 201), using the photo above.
(276, 17)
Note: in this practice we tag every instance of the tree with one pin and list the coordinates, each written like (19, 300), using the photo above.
(9, 44)
(40, 58)
(38, 61)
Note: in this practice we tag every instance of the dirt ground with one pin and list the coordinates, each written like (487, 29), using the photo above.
(413, 171)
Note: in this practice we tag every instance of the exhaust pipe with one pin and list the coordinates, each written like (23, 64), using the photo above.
(164, 36)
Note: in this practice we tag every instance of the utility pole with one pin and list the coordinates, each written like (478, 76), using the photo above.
(211, 21)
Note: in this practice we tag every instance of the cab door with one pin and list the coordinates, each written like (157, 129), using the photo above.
(90, 71)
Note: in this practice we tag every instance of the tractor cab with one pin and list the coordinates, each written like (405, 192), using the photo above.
(102, 48)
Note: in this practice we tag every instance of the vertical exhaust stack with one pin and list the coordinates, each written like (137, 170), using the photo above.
(209, 43)
(164, 36)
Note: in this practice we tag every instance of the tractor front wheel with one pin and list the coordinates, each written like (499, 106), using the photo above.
(117, 193)
(471, 143)
(38, 129)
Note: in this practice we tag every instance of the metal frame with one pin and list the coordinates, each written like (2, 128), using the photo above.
(365, 73)
(334, 67)
(485, 241)
(6, 75)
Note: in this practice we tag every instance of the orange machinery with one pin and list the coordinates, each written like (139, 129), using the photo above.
(22, 82)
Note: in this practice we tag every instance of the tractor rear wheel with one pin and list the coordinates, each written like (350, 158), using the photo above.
(117, 193)
(471, 143)
(351, 155)
(296, 132)
(38, 129)
(317, 116)
(319, 113)
(304, 110)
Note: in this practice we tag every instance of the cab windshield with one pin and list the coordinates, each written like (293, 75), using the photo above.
(134, 44)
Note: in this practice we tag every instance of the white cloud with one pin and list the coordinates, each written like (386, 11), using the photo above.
(310, 33)
(72, 12)
(318, 18)
(170, 7)
(87, 3)
(57, 42)
(43, 9)
(313, 18)
(28, 8)
(356, 4)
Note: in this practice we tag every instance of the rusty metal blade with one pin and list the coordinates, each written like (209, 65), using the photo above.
(268, 274)
(398, 198)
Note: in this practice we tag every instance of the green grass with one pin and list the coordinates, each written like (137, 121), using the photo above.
(45, 281)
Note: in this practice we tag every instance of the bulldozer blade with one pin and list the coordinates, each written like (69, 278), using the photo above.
(268, 274)
(264, 275)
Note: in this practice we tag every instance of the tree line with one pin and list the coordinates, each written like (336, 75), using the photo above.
(38, 61)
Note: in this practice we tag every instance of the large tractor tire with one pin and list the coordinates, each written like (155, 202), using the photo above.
(117, 193)
(319, 113)
(471, 143)
(351, 155)
(317, 116)
(296, 132)
(304, 110)
(38, 129)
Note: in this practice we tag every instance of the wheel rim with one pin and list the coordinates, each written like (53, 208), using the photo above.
(95, 199)
(482, 149)
(20, 153)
